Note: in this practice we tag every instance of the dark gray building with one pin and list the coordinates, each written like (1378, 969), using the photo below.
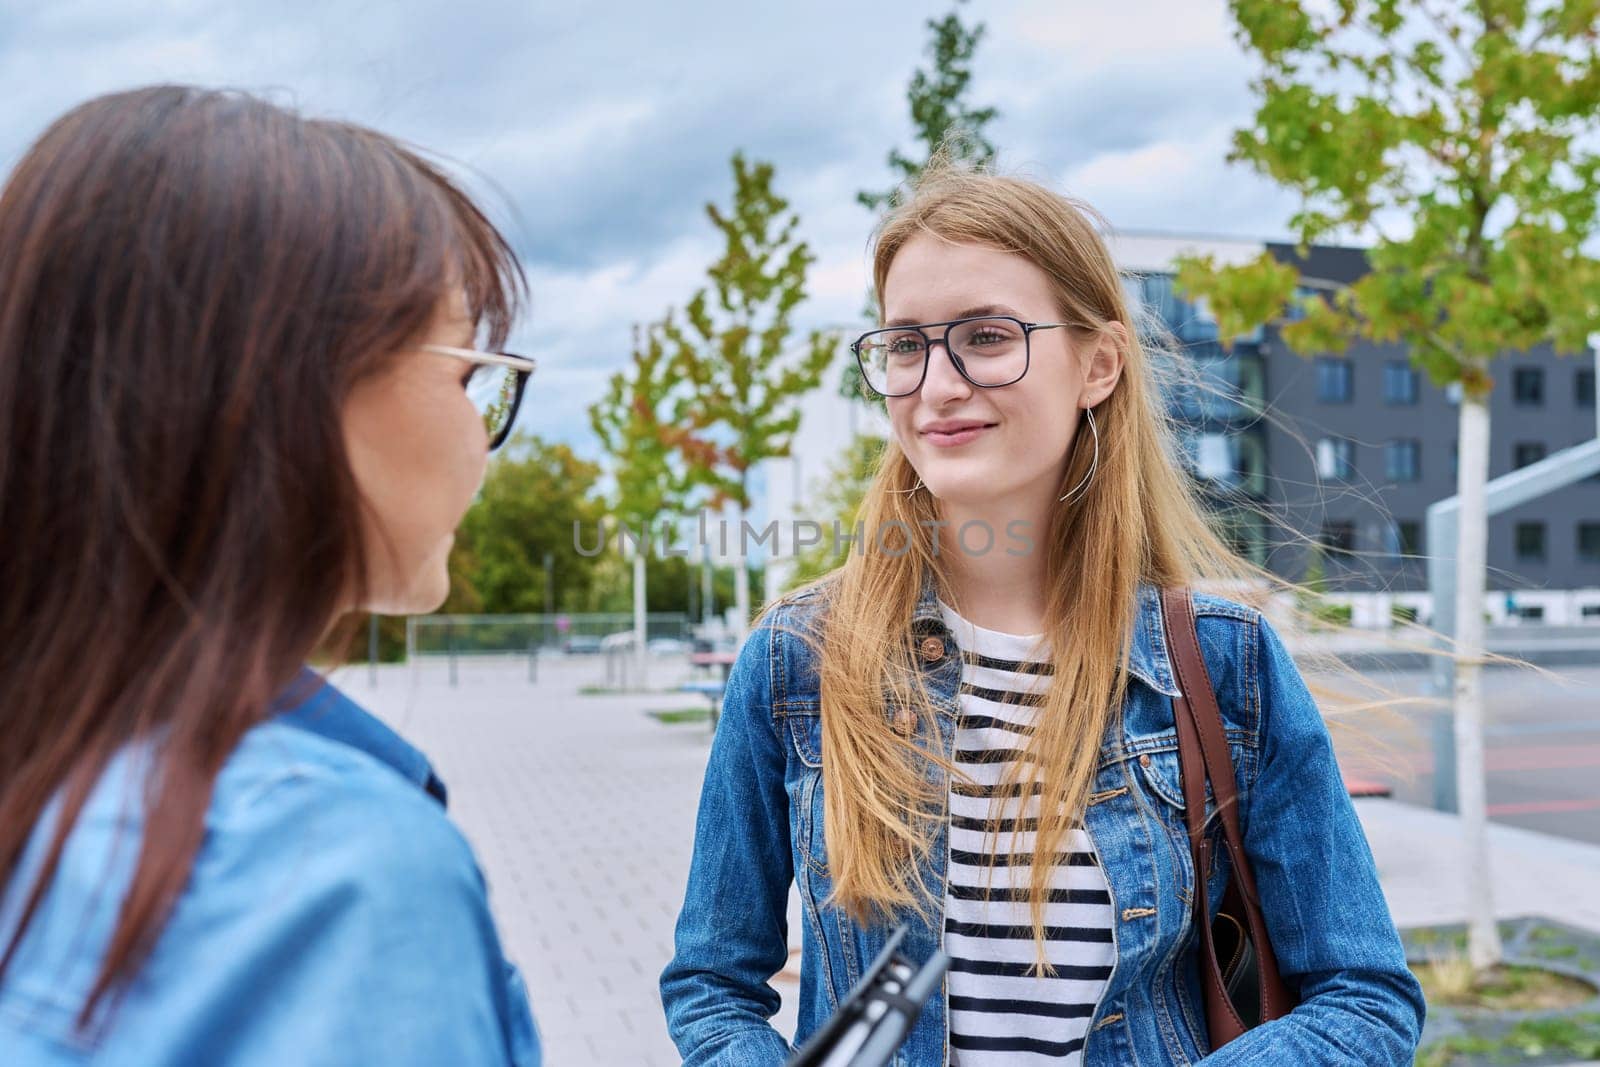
(1346, 453)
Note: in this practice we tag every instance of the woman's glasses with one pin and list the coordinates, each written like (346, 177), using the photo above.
(495, 387)
(989, 351)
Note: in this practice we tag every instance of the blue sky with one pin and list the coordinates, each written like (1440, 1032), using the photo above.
(596, 132)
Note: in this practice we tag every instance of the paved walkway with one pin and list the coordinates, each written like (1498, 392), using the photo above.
(581, 809)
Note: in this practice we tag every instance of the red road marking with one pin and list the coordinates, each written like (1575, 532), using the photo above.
(1544, 807)
(1542, 757)
(1526, 758)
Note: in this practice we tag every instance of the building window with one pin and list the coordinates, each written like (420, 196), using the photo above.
(1338, 536)
(1527, 386)
(1335, 380)
(1336, 458)
(1589, 542)
(1230, 461)
(1530, 542)
(1399, 383)
(1583, 387)
(1245, 532)
(1526, 453)
(1410, 537)
(1403, 537)
(1402, 460)
(1452, 394)
(1229, 388)
(1455, 462)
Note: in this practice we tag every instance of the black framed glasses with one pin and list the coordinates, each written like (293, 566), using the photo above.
(496, 386)
(987, 350)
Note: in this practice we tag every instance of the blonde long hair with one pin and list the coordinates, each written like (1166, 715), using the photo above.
(1138, 520)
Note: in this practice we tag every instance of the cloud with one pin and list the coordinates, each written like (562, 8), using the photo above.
(1175, 185)
(598, 131)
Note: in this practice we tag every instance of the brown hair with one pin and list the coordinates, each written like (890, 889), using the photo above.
(1138, 521)
(190, 283)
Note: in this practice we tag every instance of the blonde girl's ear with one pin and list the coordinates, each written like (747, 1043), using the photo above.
(1104, 358)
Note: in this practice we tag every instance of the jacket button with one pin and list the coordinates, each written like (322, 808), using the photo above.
(931, 649)
(1144, 760)
(904, 722)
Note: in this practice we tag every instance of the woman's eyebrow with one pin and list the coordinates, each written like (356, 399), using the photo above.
(989, 309)
(972, 312)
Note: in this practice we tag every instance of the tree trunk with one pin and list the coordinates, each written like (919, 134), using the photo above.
(1472, 536)
(708, 592)
(741, 585)
(641, 654)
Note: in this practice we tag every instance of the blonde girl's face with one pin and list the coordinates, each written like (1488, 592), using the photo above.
(980, 447)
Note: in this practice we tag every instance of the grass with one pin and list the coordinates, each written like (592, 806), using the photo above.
(1573, 1037)
(612, 690)
(1495, 1007)
(673, 716)
(1449, 979)
(1431, 939)
(1555, 952)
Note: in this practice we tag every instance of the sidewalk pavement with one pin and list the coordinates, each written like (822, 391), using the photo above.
(1420, 854)
(581, 809)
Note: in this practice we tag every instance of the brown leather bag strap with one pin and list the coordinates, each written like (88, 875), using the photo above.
(1222, 1020)
(1202, 755)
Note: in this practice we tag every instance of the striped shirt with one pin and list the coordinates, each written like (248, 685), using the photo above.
(999, 1012)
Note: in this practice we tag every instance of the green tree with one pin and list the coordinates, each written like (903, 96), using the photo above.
(1460, 139)
(941, 114)
(637, 429)
(670, 583)
(837, 499)
(532, 495)
(734, 350)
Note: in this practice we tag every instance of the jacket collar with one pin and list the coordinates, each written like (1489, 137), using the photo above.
(314, 704)
(1147, 658)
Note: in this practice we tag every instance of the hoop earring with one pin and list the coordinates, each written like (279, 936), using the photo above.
(913, 489)
(1094, 464)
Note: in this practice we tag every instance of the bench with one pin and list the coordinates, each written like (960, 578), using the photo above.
(1366, 787)
(711, 689)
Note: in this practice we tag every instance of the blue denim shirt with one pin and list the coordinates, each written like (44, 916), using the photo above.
(760, 828)
(334, 915)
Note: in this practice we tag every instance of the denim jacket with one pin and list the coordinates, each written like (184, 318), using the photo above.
(333, 916)
(760, 828)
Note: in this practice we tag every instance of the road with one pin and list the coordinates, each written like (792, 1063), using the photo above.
(1542, 746)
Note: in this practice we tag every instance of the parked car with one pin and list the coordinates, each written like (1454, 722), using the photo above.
(614, 642)
(581, 645)
(668, 646)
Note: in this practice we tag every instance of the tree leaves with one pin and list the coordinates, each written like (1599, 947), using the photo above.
(733, 350)
(637, 427)
(940, 111)
(533, 493)
(1241, 297)
(1469, 131)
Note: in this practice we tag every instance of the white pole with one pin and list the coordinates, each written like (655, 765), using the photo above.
(741, 580)
(640, 651)
(1594, 343)
(1483, 937)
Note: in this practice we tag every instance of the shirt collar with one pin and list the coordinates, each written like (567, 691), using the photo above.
(314, 704)
(1147, 659)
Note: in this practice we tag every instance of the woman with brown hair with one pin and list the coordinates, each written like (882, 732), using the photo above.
(248, 384)
(973, 727)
